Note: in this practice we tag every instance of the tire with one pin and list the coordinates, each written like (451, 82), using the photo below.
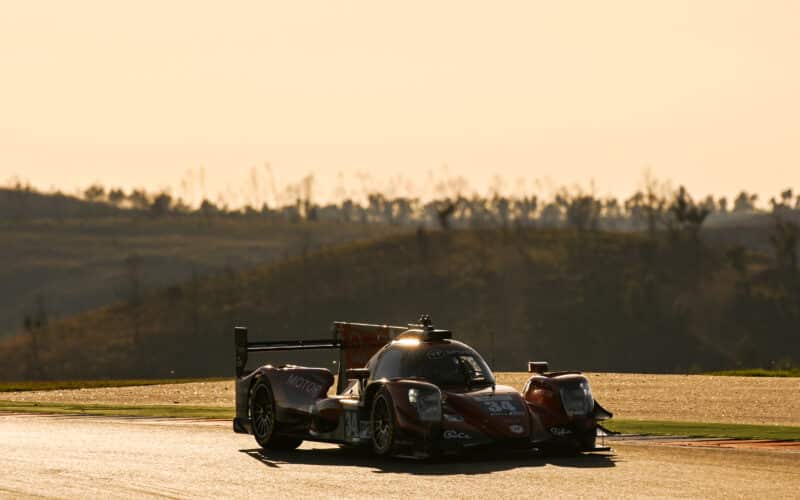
(262, 417)
(586, 439)
(284, 443)
(383, 424)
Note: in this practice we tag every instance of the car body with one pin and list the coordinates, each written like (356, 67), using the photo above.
(411, 391)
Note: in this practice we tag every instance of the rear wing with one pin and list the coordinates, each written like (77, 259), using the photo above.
(243, 346)
(357, 343)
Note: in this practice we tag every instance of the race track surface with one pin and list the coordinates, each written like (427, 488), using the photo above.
(98, 457)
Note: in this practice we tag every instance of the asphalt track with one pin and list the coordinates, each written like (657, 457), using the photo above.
(98, 457)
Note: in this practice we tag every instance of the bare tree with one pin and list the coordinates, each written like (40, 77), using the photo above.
(444, 211)
(95, 193)
(139, 199)
(784, 240)
(784, 203)
(161, 205)
(688, 216)
(502, 207)
(116, 197)
(34, 326)
(582, 211)
(745, 202)
(525, 209)
(551, 215)
(194, 301)
(652, 201)
(133, 271)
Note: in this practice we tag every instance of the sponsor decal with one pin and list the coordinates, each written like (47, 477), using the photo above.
(351, 426)
(502, 405)
(453, 418)
(516, 429)
(494, 397)
(439, 353)
(560, 431)
(453, 434)
(303, 384)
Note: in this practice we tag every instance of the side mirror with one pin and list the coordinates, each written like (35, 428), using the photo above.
(359, 374)
(537, 366)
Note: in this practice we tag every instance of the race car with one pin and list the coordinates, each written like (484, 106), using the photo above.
(409, 391)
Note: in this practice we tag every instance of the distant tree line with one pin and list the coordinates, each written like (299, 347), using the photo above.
(653, 208)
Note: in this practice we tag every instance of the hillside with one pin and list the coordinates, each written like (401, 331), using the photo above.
(21, 203)
(67, 254)
(595, 301)
(55, 268)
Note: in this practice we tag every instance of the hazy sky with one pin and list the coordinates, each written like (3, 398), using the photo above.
(136, 93)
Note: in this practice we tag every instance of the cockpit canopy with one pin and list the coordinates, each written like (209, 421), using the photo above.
(446, 363)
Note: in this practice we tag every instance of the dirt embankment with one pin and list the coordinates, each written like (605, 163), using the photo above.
(698, 398)
(693, 398)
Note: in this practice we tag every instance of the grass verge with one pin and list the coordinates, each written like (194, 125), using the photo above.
(647, 427)
(758, 372)
(117, 410)
(702, 429)
(56, 385)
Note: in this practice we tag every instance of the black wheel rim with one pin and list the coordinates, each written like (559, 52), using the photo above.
(381, 426)
(263, 415)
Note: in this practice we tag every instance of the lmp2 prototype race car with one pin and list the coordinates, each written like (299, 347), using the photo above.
(409, 391)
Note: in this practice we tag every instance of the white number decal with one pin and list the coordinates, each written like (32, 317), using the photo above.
(501, 407)
(351, 425)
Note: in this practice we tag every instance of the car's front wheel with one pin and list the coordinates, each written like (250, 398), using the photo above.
(586, 439)
(262, 417)
(384, 424)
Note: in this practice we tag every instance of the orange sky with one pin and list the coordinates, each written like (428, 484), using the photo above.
(701, 92)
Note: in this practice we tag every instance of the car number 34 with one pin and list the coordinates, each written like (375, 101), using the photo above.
(501, 407)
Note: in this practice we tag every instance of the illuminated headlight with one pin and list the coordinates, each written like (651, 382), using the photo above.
(428, 403)
(577, 399)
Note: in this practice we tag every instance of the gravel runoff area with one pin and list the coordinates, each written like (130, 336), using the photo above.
(696, 398)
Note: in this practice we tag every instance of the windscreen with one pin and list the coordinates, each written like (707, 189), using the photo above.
(449, 368)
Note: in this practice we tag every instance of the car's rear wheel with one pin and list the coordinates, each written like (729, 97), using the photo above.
(384, 424)
(262, 417)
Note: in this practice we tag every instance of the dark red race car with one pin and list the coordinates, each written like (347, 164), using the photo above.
(420, 394)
